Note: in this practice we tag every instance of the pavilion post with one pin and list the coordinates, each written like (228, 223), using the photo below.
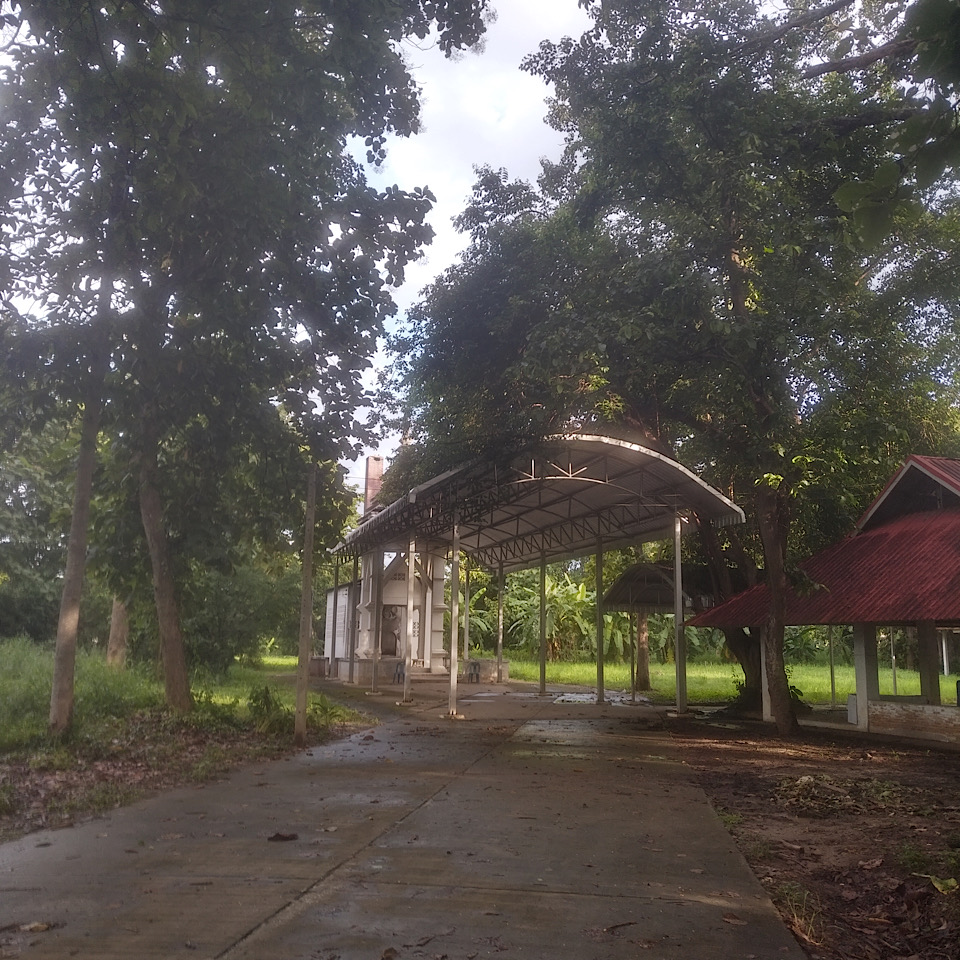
(454, 615)
(352, 643)
(543, 624)
(500, 583)
(946, 653)
(377, 619)
(679, 639)
(929, 657)
(601, 693)
(410, 637)
(633, 658)
(866, 670)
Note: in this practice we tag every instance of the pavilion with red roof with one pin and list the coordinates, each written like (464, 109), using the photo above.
(899, 567)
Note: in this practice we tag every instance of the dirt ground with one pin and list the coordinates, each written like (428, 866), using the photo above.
(857, 841)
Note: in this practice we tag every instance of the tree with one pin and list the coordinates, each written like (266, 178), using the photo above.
(686, 272)
(177, 183)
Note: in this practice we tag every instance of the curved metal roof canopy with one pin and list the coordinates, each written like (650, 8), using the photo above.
(553, 502)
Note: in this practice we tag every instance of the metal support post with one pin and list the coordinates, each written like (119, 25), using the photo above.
(500, 584)
(601, 693)
(454, 614)
(679, 640)
(543, 624)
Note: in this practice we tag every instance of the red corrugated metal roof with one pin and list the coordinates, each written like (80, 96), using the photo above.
(943, 470)
(904, 571)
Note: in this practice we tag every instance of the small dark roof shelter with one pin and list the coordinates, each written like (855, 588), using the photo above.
(649, 588)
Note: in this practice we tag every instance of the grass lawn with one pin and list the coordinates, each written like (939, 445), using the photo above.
(717, 682)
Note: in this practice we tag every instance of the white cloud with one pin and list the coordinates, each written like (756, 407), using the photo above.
(478, 109)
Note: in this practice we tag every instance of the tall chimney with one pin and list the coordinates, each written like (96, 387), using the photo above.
(373, 482)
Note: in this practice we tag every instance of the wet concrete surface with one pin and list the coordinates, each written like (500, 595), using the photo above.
(527, 829)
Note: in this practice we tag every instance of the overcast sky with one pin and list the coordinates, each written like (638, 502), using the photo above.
(479, 109)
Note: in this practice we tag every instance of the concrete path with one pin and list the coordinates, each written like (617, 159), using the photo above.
(529, 829)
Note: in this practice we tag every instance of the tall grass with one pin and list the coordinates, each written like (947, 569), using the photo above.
(101, 693)
(104, 696)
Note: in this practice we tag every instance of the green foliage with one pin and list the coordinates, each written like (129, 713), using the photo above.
(271, 714)
(29, 607)
(685, 276)
(188, 245)
(103, 693)
(111, 702)
(227, 615)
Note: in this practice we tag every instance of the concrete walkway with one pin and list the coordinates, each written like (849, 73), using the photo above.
(529, 829)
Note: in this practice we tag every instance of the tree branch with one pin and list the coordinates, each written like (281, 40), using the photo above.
(894, 50)
(769, 37)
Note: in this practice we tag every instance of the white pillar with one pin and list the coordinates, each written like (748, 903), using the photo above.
(333, 618)
(354, 616)
(410, 638)
(377, 618)
(426, 616)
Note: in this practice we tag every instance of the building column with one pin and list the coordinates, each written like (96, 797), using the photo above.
(409, 635)
(336, 600)
(354, 606)
(929, 654)
(377, 618)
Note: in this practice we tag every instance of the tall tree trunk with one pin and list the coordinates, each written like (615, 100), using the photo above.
(746, 648)
(773, 522)
(64, 662)
(643, 652)
(743, 646)
(119, 634)
(176, 681)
